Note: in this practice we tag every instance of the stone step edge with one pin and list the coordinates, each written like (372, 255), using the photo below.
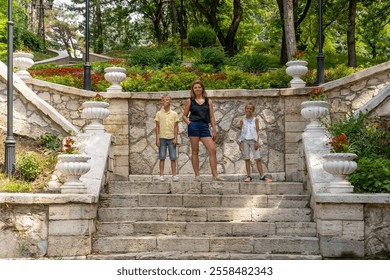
(174, 255)
(185, 237)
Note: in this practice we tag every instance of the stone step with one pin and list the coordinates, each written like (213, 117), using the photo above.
(193, 187)
(203, 200)
(174, 255)
(209, 214)
(259, 229)
(241, 245)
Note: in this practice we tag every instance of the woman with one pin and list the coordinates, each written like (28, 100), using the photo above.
(198, 114)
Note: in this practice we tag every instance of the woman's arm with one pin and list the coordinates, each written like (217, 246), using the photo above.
(186, 111)
(212, 119)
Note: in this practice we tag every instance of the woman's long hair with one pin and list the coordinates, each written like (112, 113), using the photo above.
(199, 82)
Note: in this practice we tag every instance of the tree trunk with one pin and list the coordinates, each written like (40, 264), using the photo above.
(351, 34)
(174, 18)
(99, 45)
(289, 29)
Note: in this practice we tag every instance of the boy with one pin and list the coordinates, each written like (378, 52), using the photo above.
(250, 141)
(166, 135)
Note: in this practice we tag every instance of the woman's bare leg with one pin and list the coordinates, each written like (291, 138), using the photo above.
(195, 154)
(211, 149)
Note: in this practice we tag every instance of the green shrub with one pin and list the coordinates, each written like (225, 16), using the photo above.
(365, 135)
(202, 37)
(49, 141)
(29, 166)
(253, 63)
(213, 56)
(154, 57)
(371, 176)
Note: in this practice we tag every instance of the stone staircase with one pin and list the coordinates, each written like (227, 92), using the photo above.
(204, 220)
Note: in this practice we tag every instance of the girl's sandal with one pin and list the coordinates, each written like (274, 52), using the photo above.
(248, 179)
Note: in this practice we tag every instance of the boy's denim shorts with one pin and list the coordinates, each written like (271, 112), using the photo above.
(248, 147)
(199, 129)
(164, 144)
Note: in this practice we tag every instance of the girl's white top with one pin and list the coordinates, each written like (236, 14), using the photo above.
(248, 131)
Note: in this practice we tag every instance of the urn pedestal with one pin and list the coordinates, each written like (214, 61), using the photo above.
(96, 111)
(340, 165)
(73, 166)
(296, 69)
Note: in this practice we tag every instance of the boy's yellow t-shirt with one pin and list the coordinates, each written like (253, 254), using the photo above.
(167, 121)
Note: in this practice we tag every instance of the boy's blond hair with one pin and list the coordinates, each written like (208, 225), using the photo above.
(165, 95)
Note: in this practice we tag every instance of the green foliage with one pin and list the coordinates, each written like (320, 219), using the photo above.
(29, 166)
(253, 63)
(50, 141)
(372, 175)
(154, 57)
(213, 56)
(202, 37)
(370, 139)
(12, 185)
(367, 137)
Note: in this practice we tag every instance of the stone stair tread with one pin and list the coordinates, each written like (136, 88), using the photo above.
(131, 228)
(174, 255)
(249, 245)
(204, 200)
(122, 187)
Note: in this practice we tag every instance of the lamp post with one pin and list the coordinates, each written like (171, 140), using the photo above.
(10, 141)
(320, 57)
(41, 24)
(87, 66)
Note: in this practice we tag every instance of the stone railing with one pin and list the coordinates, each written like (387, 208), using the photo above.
(349, 225)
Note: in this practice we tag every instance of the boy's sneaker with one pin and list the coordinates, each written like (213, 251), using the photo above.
(161, 178)
(197, 178)
(175, 178)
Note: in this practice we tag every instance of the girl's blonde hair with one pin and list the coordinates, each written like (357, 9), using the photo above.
(250, 104)
(198, 82)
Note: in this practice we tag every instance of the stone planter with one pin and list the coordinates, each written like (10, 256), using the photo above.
(73, 166)
(22, 61)
(340, 165)
(296, 69)
(115, 75)
(96, 111)
(313, 111)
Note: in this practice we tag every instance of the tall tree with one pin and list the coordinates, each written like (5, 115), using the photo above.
(351, 41)
(210, 12)
(289, 29)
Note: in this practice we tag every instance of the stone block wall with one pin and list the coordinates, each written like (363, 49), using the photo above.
(46, 225)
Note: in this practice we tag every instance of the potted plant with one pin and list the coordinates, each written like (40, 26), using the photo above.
(296, 68)
(96, 110)
(73, 165)
(314, 109)
(340, 163)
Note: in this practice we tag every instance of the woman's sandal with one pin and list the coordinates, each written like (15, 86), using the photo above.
(248, 179)
(265, 179)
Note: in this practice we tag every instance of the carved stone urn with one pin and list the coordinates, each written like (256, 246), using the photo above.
(22, 61)
(313, 111)
(96, 112)
(115, 75)
(73, 166)
(340, 165)
(296, 69)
